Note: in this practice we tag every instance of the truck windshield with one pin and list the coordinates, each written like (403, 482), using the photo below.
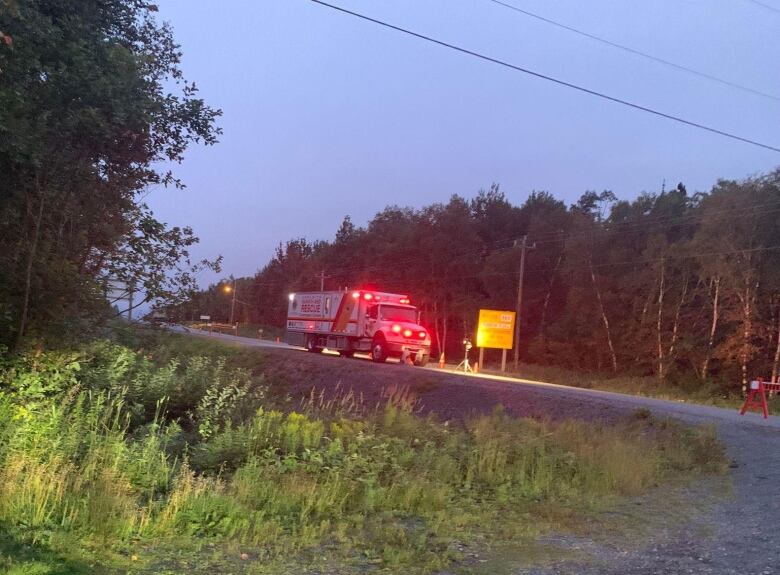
(393, 313)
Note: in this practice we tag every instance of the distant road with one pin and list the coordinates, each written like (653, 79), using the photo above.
(250, 341)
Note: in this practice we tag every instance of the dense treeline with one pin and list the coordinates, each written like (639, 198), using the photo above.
(92, 102)
(677, 285)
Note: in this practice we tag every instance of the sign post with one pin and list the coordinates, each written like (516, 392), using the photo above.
(495, 329)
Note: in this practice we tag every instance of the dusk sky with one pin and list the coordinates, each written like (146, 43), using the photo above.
(326, 115)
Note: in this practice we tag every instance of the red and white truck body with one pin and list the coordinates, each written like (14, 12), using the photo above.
(380, 323)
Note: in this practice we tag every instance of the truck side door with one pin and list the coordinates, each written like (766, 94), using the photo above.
(372, 314)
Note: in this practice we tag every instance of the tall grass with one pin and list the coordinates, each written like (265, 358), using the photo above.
(109, 455)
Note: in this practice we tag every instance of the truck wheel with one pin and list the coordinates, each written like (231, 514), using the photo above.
(422, 362)
(379, 349)
(311, 344)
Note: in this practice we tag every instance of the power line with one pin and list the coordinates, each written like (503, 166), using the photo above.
(766, 6)
(638, 52)
(550, 78)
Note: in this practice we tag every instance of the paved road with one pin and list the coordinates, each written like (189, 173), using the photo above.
(738, 535)
(687, 411)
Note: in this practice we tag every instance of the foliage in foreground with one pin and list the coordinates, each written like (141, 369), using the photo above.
(113, 449)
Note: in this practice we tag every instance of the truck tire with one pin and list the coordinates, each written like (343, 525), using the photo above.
(422, 362)
(379, 349)
(311, 344)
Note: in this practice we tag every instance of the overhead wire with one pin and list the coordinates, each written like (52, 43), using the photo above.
(636, 52)
(765, 5)
(552, 79)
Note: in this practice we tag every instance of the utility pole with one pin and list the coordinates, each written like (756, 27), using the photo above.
(322, 277)
(524, 247)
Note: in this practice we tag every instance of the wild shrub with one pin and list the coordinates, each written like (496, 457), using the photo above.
(223, 396)
(224, 451)
(34, 377)
(110, 367)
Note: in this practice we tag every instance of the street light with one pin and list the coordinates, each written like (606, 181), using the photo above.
(228, 289)
(231, 289)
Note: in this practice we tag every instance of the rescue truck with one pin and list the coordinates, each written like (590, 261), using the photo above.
(379, 323)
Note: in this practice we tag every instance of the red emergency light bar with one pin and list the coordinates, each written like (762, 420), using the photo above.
(368, 296)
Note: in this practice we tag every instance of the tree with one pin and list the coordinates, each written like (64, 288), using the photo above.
(738, 229)
(87, 116)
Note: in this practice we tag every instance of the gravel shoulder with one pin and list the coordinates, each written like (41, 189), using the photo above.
(736, 533)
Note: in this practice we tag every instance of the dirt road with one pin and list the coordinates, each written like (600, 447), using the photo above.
(735, 534)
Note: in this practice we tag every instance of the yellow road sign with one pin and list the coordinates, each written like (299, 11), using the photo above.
(496, 329)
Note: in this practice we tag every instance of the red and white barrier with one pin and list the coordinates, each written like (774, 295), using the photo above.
(756, 397)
